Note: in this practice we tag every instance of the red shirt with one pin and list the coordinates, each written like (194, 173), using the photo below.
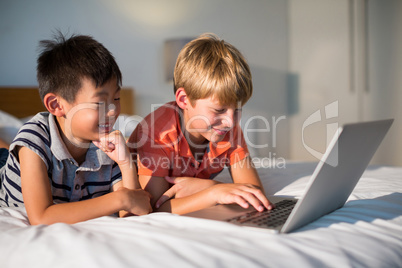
(163, 150)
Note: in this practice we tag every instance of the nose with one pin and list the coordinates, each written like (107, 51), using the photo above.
(228, 119)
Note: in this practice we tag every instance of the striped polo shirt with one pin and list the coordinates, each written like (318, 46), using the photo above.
(162, 149)
(69, 181)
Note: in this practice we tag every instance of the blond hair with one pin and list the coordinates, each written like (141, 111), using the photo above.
(210, 67)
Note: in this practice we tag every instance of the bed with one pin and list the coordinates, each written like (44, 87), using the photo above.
(366, 232)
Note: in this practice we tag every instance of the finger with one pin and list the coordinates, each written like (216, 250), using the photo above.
(161, 200)
(270, 205)
(110, 147)
(241, 201)
(172, 180)
(116, 137)
(249, 193)
(116, 133)
(166, 196)
(260, 196)
(97, 144)
(252, 200)
(109, 140)
(102, 144)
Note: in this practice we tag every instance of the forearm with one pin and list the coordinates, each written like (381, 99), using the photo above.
(244, 172)
(74, 212)
(129, 176)
(115, 147)
(251, 176)
(200, 200)
(243, 194)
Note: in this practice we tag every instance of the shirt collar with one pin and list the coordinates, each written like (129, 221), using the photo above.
(213, 150)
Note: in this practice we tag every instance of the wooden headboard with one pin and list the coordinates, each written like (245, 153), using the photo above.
(25, 101)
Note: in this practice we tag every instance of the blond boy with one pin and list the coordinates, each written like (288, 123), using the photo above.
(189, 141)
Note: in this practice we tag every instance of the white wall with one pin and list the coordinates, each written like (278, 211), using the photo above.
(135, 30)
(353, 62)
(384, 92)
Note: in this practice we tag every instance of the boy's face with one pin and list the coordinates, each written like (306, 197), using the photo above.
(209, 120)
(93, 112)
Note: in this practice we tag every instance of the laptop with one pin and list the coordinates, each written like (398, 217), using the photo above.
(330, 185)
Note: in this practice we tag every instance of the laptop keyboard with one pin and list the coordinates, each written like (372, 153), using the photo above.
(271, 218)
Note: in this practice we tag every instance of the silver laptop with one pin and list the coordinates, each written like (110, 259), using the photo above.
(333, 180)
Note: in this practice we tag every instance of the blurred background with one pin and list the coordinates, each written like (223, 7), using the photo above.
(316, 64)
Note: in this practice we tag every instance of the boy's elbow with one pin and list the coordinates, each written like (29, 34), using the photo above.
(41, 220)
(33, 223)
(38, 221)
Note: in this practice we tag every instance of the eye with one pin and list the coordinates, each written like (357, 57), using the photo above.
(98, 105)
(117, 99)
(220, 111)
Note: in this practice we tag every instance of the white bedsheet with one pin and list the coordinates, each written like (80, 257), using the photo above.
(366, 232)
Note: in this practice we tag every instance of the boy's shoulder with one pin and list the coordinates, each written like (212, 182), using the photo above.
(160, 127)
(35, 135)
(40, 121)
(167, 109)
(164, 120)
(37, 126)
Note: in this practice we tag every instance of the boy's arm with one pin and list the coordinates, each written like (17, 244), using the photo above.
(246, 189)
(218, 193)
(37, 195)
(184, 186)
(157, 186)
(243, 171)
(4, 144)
(129, 181)
(115, 147)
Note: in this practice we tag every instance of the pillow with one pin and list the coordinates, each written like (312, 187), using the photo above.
(9, 126)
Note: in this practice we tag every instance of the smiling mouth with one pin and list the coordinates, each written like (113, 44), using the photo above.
(105, 127)
(221, 131)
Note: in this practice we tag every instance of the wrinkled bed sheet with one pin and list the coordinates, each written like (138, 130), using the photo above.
(366, 232)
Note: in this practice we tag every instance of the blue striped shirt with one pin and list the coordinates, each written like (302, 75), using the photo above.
(69, 181)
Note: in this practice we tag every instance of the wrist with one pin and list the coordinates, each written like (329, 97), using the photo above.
(122, 199)
(126, 166)
(213, 193)
(123, 156)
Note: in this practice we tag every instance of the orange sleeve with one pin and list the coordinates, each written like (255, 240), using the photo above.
(151, 160)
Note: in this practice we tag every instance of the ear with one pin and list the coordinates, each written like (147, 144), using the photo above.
(181, 98)
(53, 105)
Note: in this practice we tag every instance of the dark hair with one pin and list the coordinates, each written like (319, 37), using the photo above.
(63, 63)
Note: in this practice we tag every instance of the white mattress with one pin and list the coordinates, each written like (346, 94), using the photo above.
(366, 232)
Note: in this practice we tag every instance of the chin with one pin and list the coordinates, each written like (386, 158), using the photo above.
(215, 138)
(93, 136)
(103, 131)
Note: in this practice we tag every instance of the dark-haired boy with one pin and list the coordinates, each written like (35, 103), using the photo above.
(54, 169)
